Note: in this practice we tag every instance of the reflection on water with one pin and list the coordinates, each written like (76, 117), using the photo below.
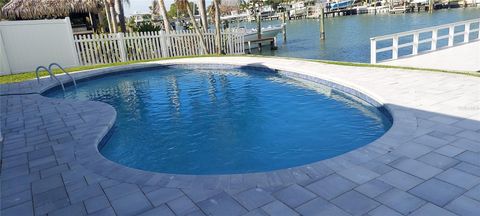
(348, 37)
(209, 121)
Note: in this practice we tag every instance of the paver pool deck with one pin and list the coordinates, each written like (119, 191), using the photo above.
(428, 163)
(464, 57)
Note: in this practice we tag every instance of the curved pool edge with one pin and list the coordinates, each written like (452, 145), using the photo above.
(92, 159)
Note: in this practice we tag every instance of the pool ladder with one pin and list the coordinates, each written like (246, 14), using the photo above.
(52, 75)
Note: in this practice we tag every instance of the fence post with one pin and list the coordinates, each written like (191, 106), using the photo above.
(243, 43)
(451, 32)
(163, 43)
(478, 35)
(466, 34)
(230, 43)
(4, 64)
(415, 44)
(72, 40)
(373, 51)
(121, 47)
(395, 47)
(434, 39)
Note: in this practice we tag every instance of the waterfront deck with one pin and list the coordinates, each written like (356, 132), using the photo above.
(426, 164)
(258, 43)
(464, 57)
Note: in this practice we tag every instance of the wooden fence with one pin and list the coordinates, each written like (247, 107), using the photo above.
(120, 47)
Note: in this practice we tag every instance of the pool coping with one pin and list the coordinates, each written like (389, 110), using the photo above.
(403, 128)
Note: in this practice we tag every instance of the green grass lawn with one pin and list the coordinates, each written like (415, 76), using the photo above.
(397, 67)
(31, 75)
(357, 64)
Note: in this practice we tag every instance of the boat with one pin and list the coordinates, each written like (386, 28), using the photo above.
(234, 17)
(340, 5)
(267, 32)
(298, 9)
(378, 9)
(399, 9)
(362, 9)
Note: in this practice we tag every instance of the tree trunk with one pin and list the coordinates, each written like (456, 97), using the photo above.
(113, 17)
(218, 34)
(121, 15)
(197, 30)
(101, 22)
(259, 25)
(163, 12)
(109, 19)
(430, 6)
(203, 14)
(114, 20)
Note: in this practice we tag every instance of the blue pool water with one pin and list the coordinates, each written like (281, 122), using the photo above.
(348, 37)
(189, 120)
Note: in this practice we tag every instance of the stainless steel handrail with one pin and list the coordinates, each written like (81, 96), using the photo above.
(52, 76)
(64, 71)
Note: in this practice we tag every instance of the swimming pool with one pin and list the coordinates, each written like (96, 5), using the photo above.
(225, 120)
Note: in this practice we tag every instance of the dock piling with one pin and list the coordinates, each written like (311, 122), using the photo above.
(284, 27)
(430, 6)
(259, 24)
(322, 24)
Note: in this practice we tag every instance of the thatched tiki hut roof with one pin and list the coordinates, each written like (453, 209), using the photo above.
(41, 9)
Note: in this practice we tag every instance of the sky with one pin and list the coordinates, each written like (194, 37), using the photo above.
(142, 6)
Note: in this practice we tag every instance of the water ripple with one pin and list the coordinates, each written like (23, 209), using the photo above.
(197, 121)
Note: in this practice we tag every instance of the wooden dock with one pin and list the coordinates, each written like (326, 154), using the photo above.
(272, 41)
(341, 12)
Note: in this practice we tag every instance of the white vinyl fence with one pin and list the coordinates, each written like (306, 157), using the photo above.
(26, 44)
(120, 47)
(467, 31)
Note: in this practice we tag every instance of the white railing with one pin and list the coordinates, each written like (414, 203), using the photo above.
(120, 47)
(432, 39)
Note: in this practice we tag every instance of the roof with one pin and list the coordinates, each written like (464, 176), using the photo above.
(41, 9)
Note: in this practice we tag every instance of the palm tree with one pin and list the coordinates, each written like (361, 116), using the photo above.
(163, 12)
(184, 4)
(154, 8)
(254, 7)
(121, 14)
(203, 14)
(111, 15)
(218, 35)
(107, 15)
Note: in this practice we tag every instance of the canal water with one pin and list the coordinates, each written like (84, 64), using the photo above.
(348, 37)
